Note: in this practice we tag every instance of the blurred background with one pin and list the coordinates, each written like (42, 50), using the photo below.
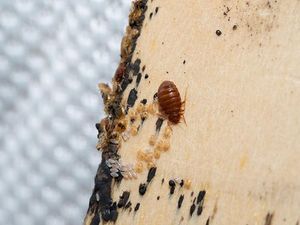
(53, 53)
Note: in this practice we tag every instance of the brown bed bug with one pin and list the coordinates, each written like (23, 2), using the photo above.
(169, 101)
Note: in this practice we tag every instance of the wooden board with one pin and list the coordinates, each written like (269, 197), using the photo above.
(238, 63)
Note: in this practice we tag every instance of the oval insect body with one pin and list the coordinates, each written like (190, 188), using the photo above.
(169, 100)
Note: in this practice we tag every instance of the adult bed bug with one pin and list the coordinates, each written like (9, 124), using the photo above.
(169, 101)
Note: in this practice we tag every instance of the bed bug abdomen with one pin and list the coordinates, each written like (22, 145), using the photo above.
(169, 101)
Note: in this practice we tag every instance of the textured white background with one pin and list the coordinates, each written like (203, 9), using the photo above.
(52, 55)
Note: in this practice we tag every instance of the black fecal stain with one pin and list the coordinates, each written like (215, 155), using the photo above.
(142, 189)
(135, 67)
(218, 32)
(144, 101)
(192, 193)
(143, 120)
(150, 16)
(156, 10)
(138, 79)
(158, 124)
(96, 219)
(207, 221)
(103, 181)
(162, 180)
(123, 199)
(194, 200)
(201, 196)
(128, 205)
(269, 218)
(234, 27)
(183, 62)
(136, 208)
(180, 200)
(151, 174)
(132, 97)
(111, 213)
(172, 185)
(158, 197)
(155, 96)
(181, 183)
(192, 209)
(143, 68)
(199, 210)
(146, 76)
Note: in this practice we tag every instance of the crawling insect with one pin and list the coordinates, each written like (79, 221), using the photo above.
(169, 101)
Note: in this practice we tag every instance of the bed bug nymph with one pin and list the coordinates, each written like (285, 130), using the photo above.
(169, 101)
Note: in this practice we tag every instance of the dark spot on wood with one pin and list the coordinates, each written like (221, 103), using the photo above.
(158, 124)
(146, 76)
(138, 79)
(218, 32)
(150, 16)
(207, 221)
(144, 101)
(234, 27)
(201, 196)
(180, 200)
(96, 219)
(167, 72)
(123, 199)
(199, 210)
(181, 183)
(136, 208)
(142, 189)
(183, 62)
(132, 97)
(269, 218)
(128, 205)
(158, 197)
(156, 10)
(151, 174)
(172, 185)
(111, 213)
(192, 209)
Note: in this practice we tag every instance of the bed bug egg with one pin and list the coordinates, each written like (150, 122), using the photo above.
(133, 130)
(169, 100)
(152, 140)
(138, 167)
(167, 132)
(156, 154)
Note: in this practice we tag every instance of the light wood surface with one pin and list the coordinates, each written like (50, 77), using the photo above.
(241, 141)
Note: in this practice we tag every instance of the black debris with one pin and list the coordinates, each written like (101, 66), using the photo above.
(131, 98)
(138, 79)
(199, 210)
(142, 189)
(150, 16)
(144, 101)
(218, 32)
(136, 208)
(172, 185)
(207, 221)
(192, 209)
(151, 174)
(181, 183)
(128, 205)
(96, 219)
(158, 124)
(180, 200)
(123, 199)
(201, 196)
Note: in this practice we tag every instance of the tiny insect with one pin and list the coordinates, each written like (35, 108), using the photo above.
(169, 101)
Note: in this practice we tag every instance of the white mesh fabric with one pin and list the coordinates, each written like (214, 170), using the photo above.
(52, 55)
